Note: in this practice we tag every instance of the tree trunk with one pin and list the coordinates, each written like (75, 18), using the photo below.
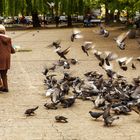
(106, 13)
(36, 21)
(118, 16)
(111, 16)
(69, 21)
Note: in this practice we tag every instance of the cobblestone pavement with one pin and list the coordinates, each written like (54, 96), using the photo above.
(27, 90)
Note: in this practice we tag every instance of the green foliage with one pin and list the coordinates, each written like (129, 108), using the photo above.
(69, 7)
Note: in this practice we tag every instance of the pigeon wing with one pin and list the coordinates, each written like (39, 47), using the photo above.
(121, 38)
(76, 31)
(66, 50)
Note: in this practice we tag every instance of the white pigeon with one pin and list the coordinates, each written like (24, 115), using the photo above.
(49, 92)
(124, 60)
(120, 40)
(51, 4)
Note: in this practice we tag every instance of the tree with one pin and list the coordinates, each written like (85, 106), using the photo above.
(69, 7)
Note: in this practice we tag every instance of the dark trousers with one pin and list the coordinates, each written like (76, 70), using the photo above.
(3, 74)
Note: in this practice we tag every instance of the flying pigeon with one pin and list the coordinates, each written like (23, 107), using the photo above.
(120, 40)
(62, 53)
(76, 34)
(55, 44)
(133, 66)
(51, 4)
(87, 46)
(123, 62)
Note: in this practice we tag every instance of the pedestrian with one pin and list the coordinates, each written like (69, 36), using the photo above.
(5, 56)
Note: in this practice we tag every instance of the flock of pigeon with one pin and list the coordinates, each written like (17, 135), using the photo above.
(112, 96)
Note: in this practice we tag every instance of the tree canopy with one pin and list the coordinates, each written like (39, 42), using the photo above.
(69, 7)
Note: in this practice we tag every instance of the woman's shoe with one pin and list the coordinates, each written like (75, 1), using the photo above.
(4, 90)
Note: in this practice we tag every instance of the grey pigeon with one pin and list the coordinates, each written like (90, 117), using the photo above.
(55, 44)
(50, 106)
(30, 112)
(107, 111)
(96, 115)
(62, 53)
(109, 120)
(61, 119)
(87, 46)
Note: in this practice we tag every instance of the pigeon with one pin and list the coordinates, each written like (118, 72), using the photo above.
(138, 58)
(30, 112)
(103, 31)
(65, 88)
(110, 56)
(109, 120)
(67, 102)
(55, 96)
(53, 67)
(61, 119)
(87, 46)
(66, 65)
(99, 101)
(122, 109)
(120, 40)
(49, 92)
(60, 62)
(50, 81)
(107, 112)
(62, 53)
(55, 44)
(123, 62)
(111, 74)
(136, 81)
(50, 106)
(106, 33)
(45, 71)
(76, 34)
(72, 61)
(98, 55)
(136, 109)
(96, 115)
(51, 4)
(133, 66)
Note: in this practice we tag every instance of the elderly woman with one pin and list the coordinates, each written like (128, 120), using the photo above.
(5, 55)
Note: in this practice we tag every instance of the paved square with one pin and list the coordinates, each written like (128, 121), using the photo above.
(27, 89)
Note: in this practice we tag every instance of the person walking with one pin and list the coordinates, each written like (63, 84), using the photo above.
(5, 57)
